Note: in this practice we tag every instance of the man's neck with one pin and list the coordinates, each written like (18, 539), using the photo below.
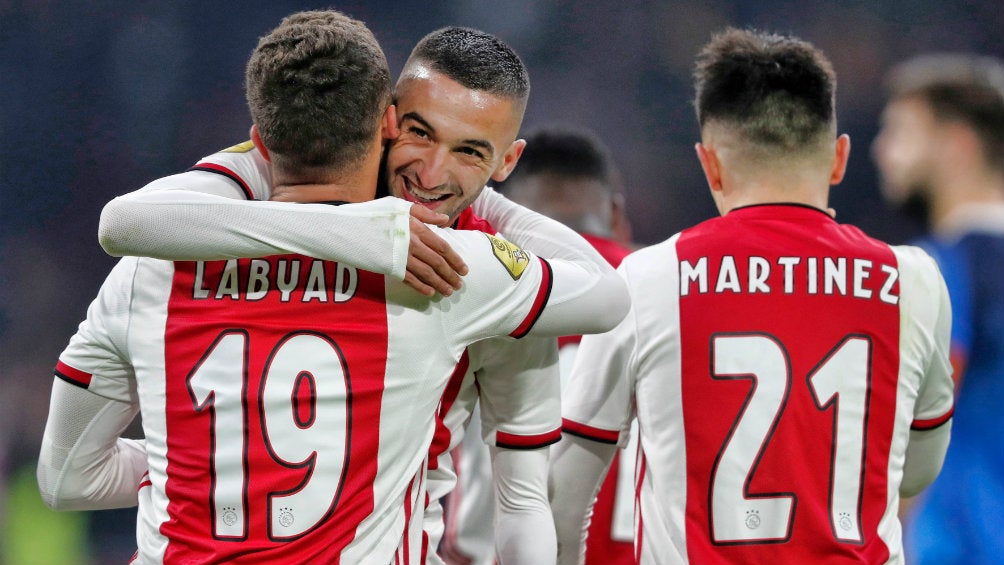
(326, 185)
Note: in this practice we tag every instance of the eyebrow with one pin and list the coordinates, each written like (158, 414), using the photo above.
(482, 143)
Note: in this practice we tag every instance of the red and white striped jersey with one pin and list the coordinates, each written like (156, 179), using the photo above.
(776, 362)
(288, 401)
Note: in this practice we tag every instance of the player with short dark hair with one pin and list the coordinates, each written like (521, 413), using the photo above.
(789, 374)
(288, 401)
(941, 156)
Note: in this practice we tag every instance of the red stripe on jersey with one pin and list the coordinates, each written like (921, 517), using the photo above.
(221, 170)
(637, 504)
(469, 221)
(73, 376)
(589, 432)
(442, 436)
(932, 423)
(248, 479)
(517, 441)
(539, 302)
(145, 481)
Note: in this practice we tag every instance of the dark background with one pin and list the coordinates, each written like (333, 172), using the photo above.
(99, 98)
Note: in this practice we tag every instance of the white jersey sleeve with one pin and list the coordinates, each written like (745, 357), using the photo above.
(219, 210)
(520, 391)
(509, 287)
(598, 401)
(83, 463)
(96, 357)
(571, 255)
(934, 407)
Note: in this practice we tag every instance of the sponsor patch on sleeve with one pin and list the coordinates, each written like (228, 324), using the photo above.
(240, 147)
(514, 259)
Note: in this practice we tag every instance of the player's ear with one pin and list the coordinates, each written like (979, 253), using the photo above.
(711, 165)
(840, 154)
(256, 139)
(388, 124)
(509, 160)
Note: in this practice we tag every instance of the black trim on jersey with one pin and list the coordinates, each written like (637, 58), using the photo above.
(565, 430)
(240, 182)
(73, 382)
(795, 204)
(527, 447)
(543, 303)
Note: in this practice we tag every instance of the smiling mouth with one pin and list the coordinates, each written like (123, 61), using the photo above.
(422, 196)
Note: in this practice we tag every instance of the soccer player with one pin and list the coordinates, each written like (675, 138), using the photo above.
(460, 97)
(288, 401)
(567, 175)
(941, 155)
(789, 374)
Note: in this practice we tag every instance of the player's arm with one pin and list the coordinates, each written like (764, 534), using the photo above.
(598, 408)
(84, 464)
(578, 466)
(199, 215)
(520, 413)
(931, 428)
(524, 527)
(590, 298)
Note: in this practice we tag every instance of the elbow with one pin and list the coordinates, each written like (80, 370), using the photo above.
(114, 228)
(47, 486)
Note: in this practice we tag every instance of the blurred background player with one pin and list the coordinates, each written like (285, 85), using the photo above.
(940, 153)
(568, 175)
(790, 375)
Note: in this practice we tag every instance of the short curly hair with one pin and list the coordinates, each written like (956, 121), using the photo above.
(316, 87)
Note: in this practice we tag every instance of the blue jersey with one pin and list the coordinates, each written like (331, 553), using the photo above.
(960, 518)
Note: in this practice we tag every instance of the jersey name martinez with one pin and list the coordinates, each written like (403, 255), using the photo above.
(254, 279)
(831, 276)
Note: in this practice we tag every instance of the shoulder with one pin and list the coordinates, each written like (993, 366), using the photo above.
(242, 164)
(490, 253)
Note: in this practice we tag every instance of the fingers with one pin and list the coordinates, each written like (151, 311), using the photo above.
(433, 266)
(428, 216)
(424, 289)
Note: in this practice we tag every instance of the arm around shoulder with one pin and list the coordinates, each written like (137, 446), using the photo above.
(183, 224)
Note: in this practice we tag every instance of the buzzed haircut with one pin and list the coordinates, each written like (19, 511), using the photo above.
(777, 92)
(476, 60)
(567, 153)
(317, 86)
(963, 87)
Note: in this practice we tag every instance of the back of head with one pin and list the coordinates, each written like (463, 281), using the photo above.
(568, 175)
(776, 94)
(476, 60)
(317, 86)
(959, 87)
